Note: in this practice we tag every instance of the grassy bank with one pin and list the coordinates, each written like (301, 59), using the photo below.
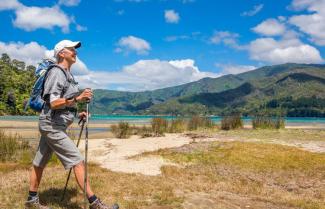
(209, 175)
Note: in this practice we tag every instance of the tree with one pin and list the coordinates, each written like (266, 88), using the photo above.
(5, 58)
(30, 68)
(18, 64)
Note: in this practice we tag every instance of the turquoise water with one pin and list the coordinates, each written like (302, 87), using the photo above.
(147, 118)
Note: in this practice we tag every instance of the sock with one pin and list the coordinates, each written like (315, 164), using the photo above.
(31, 195)
(92, 199)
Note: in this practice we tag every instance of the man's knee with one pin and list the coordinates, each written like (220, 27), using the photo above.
(38, 169)
(79, 165)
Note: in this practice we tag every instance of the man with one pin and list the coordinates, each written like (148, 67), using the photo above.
(61, 93)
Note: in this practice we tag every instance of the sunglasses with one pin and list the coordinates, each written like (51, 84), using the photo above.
(73, 50)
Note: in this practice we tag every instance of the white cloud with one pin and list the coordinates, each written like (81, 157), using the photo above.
(159, 74)
(175, 38)
(234, 69)
(32, 53)
(32, 18)
(313, 23)
(310, 5)
(283, 51)
(81, 28)
(132, 43)
(254, 11)
(270, 27)
(69, 3)
(192, 36)
(171, 16)
(140, 76)
(9, 4)
(148, 75)
(227, 38)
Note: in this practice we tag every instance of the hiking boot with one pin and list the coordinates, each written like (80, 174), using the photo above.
(34, 204)
(97, 204)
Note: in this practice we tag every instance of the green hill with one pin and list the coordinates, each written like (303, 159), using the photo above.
(248, 92)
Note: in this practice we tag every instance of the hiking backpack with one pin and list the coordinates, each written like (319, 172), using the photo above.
(36, 100)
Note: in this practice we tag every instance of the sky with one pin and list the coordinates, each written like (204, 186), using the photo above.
(138, 45)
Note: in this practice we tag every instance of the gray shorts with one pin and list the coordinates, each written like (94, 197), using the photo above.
(55, 139)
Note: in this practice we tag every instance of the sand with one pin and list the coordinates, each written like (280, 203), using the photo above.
(118, 154)
(115, 154)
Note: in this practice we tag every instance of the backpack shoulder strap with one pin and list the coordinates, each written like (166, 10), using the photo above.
(64, 72)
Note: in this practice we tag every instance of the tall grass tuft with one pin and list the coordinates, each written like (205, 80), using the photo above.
(197, 122)
(159, 126)
(12, 147)
(145, 131)
(177, 126)
(231, 122)
(122, 130)
(267, 122)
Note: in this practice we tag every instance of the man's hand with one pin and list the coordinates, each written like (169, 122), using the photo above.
(83, 115)
(86, 95)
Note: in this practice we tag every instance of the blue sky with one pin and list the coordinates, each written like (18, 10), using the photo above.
(138, 45)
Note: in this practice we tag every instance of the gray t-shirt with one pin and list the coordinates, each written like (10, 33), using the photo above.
(59, 84)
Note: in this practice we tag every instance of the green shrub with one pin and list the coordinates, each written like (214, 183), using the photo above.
(122, 130)
(231, 122)
(159, 126)
(267, 122)
(197, 122)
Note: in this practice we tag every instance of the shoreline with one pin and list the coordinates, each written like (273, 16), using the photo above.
(29, 129)
(101, 124)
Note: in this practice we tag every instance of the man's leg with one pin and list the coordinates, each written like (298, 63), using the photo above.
(79, 171)
(42, 156)
(35, 178)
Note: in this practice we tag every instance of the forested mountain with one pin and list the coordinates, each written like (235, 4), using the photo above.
(292, 89)
(290, 86)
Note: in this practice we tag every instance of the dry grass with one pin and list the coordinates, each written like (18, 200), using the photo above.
(212, 175)
(231, 122)
(266, 122)
(122, 130)
(281, 134)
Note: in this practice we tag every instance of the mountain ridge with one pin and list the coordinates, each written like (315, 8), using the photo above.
(265, 81)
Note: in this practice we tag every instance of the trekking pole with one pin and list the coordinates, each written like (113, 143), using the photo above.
(86, 157)
(82, 121)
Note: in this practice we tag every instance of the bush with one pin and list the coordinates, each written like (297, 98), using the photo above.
(122, 130)
(177, 126)
(231, 122)
(267, 122)
(12, 147)
(145, 132)
(159, 126)
(197, 122)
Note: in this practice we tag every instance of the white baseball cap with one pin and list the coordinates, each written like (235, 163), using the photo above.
(65, 43)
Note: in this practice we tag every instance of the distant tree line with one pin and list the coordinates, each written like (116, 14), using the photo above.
(300, 107)
(16, 82)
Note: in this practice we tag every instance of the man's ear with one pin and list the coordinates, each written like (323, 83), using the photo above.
(60, 56)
